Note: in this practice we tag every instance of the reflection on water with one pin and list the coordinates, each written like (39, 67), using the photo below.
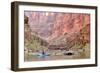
(30, 57)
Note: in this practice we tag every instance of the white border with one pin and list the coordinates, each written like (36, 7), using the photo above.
(23, 64)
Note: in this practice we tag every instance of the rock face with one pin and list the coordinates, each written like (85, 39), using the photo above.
(50, 25)
(58, 28)
(27, 29)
